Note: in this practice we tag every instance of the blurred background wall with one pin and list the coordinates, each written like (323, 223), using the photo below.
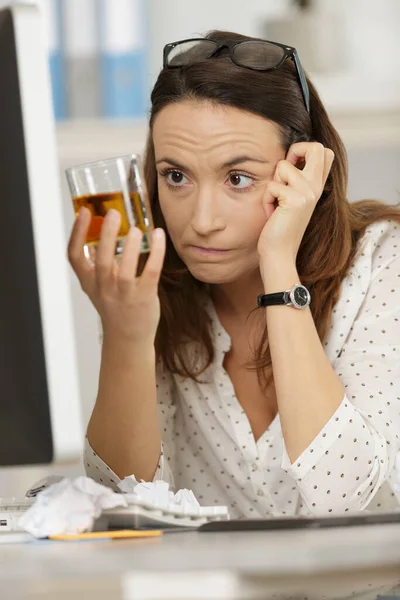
(105, 55)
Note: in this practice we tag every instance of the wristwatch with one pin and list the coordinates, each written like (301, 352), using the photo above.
(298, 297)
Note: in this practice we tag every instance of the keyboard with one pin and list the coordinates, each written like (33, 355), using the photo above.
(137, 515)
(11, 509)
(142, 515)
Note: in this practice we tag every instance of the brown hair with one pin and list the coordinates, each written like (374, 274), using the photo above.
(330, 242)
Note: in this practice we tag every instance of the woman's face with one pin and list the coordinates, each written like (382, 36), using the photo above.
(213, 164)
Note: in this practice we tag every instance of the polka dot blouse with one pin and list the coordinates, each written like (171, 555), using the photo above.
(207, 442)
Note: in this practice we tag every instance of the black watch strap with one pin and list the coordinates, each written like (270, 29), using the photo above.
(271, 299)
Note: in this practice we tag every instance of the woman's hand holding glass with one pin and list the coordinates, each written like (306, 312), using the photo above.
(128, 305)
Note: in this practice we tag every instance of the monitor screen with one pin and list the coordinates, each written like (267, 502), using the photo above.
(39, 400)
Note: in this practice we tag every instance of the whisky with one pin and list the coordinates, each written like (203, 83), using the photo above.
(100, 204)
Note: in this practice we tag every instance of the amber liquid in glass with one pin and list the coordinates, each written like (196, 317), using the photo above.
(100, 204)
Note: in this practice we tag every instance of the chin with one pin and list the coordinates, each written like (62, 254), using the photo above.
(212, 273)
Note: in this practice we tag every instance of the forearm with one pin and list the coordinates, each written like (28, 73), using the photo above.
(345, 465)
(124, 428)
(307, 388)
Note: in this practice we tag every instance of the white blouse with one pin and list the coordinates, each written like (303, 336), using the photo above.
(207, 442)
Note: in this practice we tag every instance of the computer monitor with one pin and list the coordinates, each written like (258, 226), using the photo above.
(40, 418)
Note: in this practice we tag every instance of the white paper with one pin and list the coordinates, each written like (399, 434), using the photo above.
(69, 506)
(158, 494)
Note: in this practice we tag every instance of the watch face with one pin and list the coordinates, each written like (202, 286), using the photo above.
(300, 295)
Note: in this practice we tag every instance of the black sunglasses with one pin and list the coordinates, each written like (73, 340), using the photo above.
(255, 55)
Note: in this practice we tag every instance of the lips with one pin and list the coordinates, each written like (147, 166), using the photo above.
(208, 251)
(211, 249)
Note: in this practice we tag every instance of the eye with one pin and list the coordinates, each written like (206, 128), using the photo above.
(241, 181)
(173, 177)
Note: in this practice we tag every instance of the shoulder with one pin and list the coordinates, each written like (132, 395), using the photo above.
(376, 271)
(379, 246)
(368, 288)
(164, 377)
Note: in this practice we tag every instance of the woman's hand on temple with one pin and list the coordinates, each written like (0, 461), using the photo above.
(128, 306)
(290, 200)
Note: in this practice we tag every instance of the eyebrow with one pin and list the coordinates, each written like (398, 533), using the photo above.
(228, 164)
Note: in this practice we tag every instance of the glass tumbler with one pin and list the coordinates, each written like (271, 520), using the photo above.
(116, 183)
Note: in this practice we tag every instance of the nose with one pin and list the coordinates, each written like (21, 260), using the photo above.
(207, 217)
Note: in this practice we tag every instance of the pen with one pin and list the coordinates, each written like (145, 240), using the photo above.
(117, 534)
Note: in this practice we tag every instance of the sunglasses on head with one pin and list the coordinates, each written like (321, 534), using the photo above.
(251, 54)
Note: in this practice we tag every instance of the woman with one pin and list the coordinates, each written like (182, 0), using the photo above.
(268, 404)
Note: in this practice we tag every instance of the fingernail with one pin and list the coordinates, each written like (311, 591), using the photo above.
(135, 232)
(113, 215)
(157, 233)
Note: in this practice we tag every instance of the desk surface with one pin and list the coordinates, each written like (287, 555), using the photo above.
(325, 563)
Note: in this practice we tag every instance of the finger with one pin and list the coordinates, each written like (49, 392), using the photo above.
(152, 271)
(105, 253)
(288, 197)
(290, 175)
(313, 155)
(329, 158)
(297, 151)
(76, 254)
(130, 259)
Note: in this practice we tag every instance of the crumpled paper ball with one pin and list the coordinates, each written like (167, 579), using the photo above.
(68, 507)
(158, 494)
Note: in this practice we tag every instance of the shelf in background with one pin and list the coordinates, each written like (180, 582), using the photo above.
(92, 139)
(81, 140)
(362, 129)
